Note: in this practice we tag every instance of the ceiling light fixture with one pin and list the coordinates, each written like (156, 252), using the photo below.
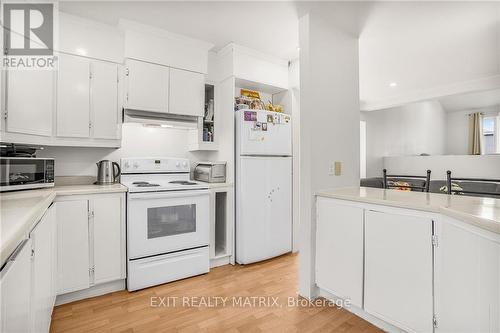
(393, 84)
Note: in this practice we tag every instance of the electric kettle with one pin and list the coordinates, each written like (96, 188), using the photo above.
(106, 172)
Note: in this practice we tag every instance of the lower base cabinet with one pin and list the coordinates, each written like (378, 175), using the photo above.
(15, 291)
(72, 246)
(398, 270)
(416, 271)
(91, 240)
(27, 281)
(467, 279)
(339, 249)
(43, 238)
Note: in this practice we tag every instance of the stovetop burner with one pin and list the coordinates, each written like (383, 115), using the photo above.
(182, 182)
(145, 184)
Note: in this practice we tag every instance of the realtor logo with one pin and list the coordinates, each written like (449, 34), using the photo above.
(28, 35)
(28, 28)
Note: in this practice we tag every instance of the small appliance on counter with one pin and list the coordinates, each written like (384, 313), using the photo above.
(210, 172)
(107, 172)
(25, 173)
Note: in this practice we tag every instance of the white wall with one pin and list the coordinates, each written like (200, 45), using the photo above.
(457, 122)
(329, 123)
(137, 141)
(464, 166)
(412, 129)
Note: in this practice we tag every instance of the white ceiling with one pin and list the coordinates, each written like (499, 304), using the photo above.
(473, 100)
(427, 47)
(270, 27)
(421, 46)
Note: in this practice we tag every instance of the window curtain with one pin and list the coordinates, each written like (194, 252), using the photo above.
(475, 133)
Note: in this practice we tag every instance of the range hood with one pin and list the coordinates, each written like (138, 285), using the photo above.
(156, 119)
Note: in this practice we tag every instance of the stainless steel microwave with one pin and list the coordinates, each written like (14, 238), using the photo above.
(22, 173)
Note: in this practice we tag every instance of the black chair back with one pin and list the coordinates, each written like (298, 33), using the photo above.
(424, 188)
(480, 183)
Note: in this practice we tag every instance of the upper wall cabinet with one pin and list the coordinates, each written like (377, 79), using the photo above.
(30, 102)
(147, 86)
(162, 47)
(157, 88)
(105, 110)
(254, 67)
(90, 38)
(73, 96)
(87, 98)
(187, 92)
(77, 104)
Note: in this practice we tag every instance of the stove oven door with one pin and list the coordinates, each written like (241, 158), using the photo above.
(163, 222)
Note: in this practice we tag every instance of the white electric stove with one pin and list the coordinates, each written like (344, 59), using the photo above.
(167, 221)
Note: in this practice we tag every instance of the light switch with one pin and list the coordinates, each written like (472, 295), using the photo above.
(338, 168)
(335, 168)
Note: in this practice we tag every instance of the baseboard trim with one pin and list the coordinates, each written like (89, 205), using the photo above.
(220, 261)
(383, 325)
(97, 290)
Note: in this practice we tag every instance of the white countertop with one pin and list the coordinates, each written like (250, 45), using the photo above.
(219, 185)
(481, 212)
(21, 210)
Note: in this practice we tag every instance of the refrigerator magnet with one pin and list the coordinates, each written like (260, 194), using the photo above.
(257, 126)
(264, 126)
(250, 115)
(270, 118)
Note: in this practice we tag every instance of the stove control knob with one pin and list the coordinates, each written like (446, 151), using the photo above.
(184, 164)
(126, 165)
(177, 164)
(136, 165)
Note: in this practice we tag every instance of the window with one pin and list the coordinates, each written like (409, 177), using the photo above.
(490, 135)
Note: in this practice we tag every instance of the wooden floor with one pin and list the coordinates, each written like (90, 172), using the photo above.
(132, 312)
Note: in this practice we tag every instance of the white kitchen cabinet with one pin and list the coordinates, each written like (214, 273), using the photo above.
(339, 249)
(147, 86)
(15, 291)
(398, 269)
(87, 98)
(467, 279)
(187, 93)
(91, 240)
(43, 238)
(73, 245)
(73, 96)
(104, 106)
(108, 234)
(30, 101)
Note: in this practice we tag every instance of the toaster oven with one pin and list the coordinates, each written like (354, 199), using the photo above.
(210, 172)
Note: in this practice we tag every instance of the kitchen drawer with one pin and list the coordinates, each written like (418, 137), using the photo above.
(160, 269)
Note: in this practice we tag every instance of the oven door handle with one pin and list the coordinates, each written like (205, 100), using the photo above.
(168, 194)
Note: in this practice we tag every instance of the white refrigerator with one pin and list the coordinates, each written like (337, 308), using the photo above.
(263, 185)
